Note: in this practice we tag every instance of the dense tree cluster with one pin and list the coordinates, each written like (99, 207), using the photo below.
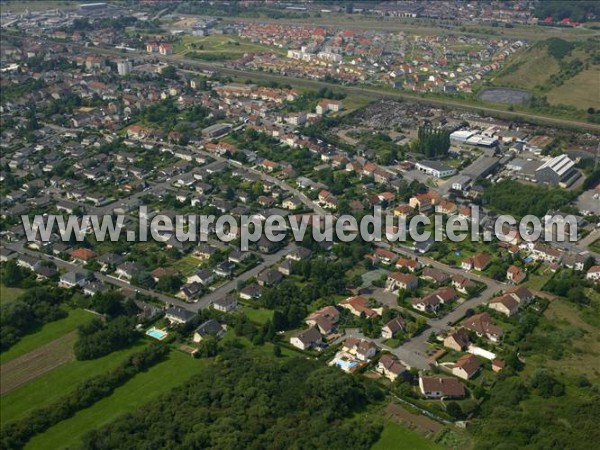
(97, 339)
(15, 435)
(432, 142)
(512, 197)
(253, 403)
(31, 310)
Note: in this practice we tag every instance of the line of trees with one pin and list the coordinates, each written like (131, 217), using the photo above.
(15, 435)
(432, 142)
(30, 311)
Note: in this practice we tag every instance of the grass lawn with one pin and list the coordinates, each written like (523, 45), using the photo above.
(229, 45)
(581, 357)
(8, 294)
(187, 265)
(57, 383)
(353, 102)
(397, 437)
(538, 279)
(132, 395)
(577, 91)
(595, 246)
(47, 333)
(258, 315)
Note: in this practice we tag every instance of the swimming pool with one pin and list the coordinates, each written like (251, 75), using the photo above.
(345, 365)
(157, 334)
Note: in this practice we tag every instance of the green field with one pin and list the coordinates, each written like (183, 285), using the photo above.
(582, 91)
(538, 279)
(229, 45)
(397, 437)
(8, 294)
(57, 383)
(187, 265)
(258, 315)
(46, 334)
(595, 246)
(132, 395)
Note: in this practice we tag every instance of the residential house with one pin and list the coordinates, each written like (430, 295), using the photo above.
(515, 274)
(477, 262)
(202, 276)
(190, 291)
(458, 340)
(411, 264)
(504, 304)
(358, 305)
(251, 292)
(401, 281)
(161, 272)
(269, 277)
(307, 339)
(291, 203)
(177, 315)
(593, 273)
(28, 262)
(285, 267)
(392, 327)
(483, 326)
(463, 284)
(384, 256)
(327, 199)
(466, 367)
(209, 328)
(389, 366)
(325, 319)
(299, 254)
(225, 304)
(72, 279)
(224, 269)
(435, 275)
(432, 302)
(441, 387)
(109, 260)
(83, 255)
(361, 349)
(128, 270)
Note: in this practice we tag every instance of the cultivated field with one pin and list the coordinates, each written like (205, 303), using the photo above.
(582, 91)
(34, 364)
(132, 395)
(46, 334)
(57, 383)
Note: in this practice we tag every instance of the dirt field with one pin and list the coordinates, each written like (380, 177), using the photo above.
(424, 424)
(36, 363)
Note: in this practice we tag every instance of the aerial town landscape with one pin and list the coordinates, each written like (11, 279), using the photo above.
(447, 111)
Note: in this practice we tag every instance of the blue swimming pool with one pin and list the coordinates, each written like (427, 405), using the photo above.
(157, 334)
(345, 365)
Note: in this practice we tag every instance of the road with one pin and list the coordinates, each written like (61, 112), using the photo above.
(414, 351)
(203, 302)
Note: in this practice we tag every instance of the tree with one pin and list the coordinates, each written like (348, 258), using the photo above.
(454, 410)
(13, 274)
(276, 350)
(208, 347)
